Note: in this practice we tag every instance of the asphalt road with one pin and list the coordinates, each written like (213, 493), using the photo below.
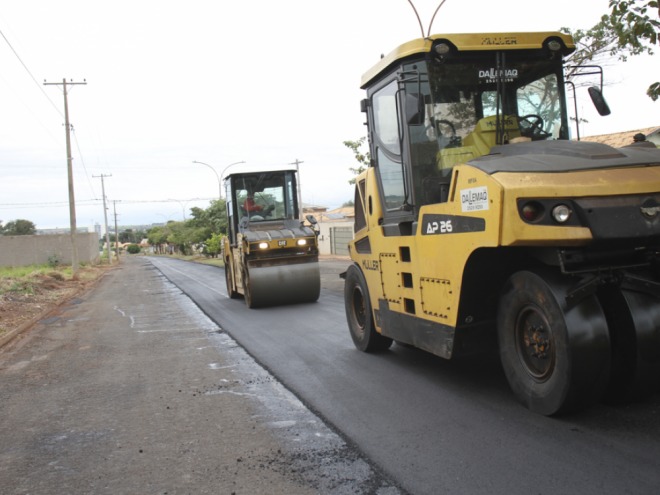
(131, 389)
(431, 425)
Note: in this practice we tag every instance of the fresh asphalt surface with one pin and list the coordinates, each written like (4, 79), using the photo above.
(433, 426)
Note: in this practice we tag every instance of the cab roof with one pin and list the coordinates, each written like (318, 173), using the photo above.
(467, 42)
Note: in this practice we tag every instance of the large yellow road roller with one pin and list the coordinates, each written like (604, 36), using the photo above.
(270, 254)
(481, 225)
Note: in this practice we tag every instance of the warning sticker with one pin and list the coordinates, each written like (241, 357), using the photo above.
(474, 199)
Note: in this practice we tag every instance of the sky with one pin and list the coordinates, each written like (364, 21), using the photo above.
(263, 82)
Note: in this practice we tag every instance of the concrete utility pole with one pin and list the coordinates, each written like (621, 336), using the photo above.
(300, 205)
(105, 215)
(114, 206)
(69, 161)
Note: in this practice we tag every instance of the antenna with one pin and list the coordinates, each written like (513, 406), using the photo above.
(432, 18)
(421, 28)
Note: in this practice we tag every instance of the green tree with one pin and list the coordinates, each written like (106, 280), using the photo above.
(18, 227)
(631, 28)
(213, 245)
(363, 158)
(157, 237)
(188, 236)
(180, 236)
(132, 236)
(213, 218)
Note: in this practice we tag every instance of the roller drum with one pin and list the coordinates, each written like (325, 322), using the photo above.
(282, 284)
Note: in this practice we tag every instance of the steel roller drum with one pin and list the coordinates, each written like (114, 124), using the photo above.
(284, 284)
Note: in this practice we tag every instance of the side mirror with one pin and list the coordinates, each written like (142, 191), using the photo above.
(414, 108)
(599, 101)
(314, 223)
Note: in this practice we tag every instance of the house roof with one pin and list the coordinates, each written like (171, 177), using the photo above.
(338, 214)
(619, 139)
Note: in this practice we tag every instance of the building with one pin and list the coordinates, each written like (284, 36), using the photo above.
(619, 139)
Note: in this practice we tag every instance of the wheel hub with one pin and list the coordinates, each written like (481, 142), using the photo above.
(535, 343)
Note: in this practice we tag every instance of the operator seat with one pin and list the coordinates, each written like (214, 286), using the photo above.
(484, 134)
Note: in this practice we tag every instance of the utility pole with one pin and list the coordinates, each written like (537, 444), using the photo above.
(114, 206)
(105, 214)
(300, 205)
(69, 162)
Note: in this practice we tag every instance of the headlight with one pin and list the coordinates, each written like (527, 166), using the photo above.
(263, 245)
(302, 242)
(561, 213)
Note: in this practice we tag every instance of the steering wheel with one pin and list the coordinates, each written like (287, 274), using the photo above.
(454, 140)
(531, 126)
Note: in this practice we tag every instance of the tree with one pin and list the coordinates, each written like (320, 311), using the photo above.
(157, 237)
(18, 227)
(363, 158)
(631, 28)
(205, 228)
(213, 245)
(213, 218)
(131, 236)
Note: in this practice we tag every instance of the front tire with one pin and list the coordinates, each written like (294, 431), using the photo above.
(360, 315)
(555, 359)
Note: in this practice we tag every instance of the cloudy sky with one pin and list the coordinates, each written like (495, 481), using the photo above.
(219, 81)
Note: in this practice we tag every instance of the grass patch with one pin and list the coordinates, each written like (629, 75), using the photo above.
(24, 279)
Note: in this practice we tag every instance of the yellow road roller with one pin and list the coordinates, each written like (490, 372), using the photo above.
(481, 225)
(270, 254)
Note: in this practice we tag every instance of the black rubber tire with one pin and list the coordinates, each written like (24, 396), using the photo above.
(555, 360)
(634, 322)
(230, 286)
(360, 315)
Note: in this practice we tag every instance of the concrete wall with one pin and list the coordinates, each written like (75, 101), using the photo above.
(327, 236)
(22, 250)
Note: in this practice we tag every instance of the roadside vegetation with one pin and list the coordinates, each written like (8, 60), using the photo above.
(28, 291)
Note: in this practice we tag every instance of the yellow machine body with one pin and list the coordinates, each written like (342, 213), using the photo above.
(481, 225)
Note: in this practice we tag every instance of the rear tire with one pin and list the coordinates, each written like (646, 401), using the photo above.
(360, 315)
(228, 279)
(634, 322)
(555, 360)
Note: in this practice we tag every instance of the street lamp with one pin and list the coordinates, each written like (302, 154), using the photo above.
(219, 177)
(222, 174)
(216, 176)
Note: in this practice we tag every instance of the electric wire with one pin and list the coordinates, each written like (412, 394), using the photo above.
(82, 161)
(30, 74)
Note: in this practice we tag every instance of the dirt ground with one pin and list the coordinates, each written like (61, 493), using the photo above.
(21, 306)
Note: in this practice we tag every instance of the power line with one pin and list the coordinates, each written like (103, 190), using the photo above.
(30, 74)
(75, 138)
(93, 202)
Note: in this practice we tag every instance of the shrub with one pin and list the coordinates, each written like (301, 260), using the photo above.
(133, 249)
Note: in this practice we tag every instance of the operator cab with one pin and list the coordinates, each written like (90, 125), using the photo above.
(437, 102)
(263, 200)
